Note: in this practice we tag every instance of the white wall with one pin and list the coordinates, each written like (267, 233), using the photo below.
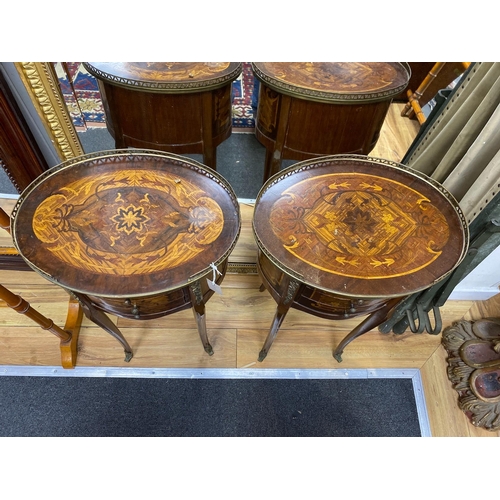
(483, 282)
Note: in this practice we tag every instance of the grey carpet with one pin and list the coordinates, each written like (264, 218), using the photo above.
(99, 407)
(240, 159)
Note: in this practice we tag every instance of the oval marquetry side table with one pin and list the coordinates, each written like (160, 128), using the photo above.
(135, 233)
(348, 235)
(183, 108)
(307, 110)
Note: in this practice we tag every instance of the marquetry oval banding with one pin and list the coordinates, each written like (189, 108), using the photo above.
(359, 226)
(335, 82)
(166, 77)
(126, 223)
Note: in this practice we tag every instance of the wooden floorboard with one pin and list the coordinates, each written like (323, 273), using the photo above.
(238, 322)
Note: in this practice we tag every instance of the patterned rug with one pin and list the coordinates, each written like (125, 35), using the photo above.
(82, 97)
(243, 119)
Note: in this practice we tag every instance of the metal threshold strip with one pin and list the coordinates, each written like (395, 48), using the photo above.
(234, 373)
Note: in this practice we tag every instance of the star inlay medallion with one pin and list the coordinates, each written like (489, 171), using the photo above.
(130, 219)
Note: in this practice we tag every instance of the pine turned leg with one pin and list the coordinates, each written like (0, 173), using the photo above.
(68, 339)
(72, 326)
(69, 336)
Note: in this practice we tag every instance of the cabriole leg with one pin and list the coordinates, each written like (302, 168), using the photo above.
(284, 304)
(375, 319)
(101, 319)
(199, 315)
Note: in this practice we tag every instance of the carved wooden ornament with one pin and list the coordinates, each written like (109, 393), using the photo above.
(474, 369)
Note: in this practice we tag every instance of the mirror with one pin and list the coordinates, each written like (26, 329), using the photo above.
(241, 157)
(81, 123)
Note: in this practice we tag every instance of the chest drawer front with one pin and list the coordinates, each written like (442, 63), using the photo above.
(332, 304)
(145, 307)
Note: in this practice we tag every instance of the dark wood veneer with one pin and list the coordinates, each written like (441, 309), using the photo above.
(348, 235)
(309, 110)
(183, 108)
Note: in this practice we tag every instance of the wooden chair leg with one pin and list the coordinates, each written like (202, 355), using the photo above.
(69, 336)
(72, 326)
(423, 86)
(4, 220)
(68, 342)
(416, 109)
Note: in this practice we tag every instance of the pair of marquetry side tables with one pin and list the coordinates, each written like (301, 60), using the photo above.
(305, 110)
(142, 234)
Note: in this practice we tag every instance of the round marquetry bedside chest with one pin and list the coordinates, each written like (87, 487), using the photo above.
(311, 109)
(183, 108)
(136, 233)
(349, 235)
